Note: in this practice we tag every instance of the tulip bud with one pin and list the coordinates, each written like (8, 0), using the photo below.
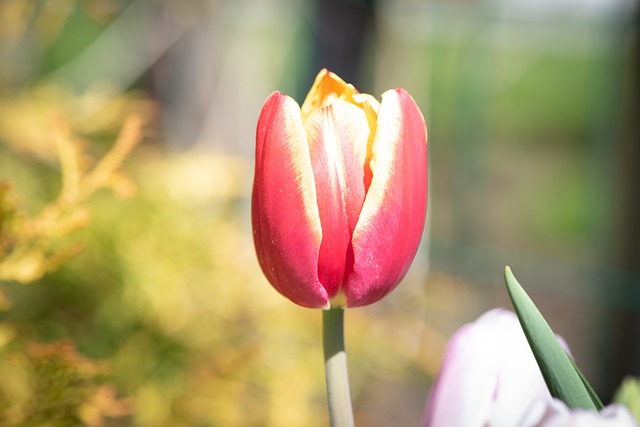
(489, 376)
(339, 194)
(556, 414)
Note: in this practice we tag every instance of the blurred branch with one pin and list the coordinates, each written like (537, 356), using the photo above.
(29, 245)
(64, 388)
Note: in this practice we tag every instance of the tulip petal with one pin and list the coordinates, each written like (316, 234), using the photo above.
(338, 135)
(391, 222)
(326, 86)
(555, 413)
(488, 377)
(286, 222)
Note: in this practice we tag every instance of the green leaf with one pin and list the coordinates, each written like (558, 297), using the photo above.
(628, 394)
(563, 378)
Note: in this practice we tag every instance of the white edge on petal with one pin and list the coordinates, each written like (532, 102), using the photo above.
(381, 162)
(303, 169)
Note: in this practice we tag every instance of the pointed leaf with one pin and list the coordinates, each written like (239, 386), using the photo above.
(563, 378)
(628, 394)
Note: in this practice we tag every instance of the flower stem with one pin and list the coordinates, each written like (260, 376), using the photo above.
(335, 361)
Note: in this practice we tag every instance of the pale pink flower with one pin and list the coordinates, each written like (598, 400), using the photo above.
(489, 377)
(555, 413)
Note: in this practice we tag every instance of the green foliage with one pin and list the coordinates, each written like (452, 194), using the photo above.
(629, 395)
(563, 378)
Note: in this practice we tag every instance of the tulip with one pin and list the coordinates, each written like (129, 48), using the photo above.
(489, 376)
(556, 414)
(340, 193)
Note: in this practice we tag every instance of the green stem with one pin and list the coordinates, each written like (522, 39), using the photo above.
(335, 361)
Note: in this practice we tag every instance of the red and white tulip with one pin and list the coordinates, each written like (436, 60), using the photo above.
(339, 194)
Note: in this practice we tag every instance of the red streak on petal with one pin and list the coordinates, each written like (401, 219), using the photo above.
(328, 175)
(338, 143)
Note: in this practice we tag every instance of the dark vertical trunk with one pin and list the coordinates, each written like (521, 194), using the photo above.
(624, 332)
(340, 31)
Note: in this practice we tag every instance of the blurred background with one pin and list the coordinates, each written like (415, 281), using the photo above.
(130, 291)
